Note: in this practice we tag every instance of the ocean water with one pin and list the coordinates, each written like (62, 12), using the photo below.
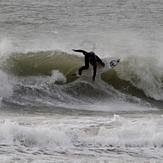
(49, 115)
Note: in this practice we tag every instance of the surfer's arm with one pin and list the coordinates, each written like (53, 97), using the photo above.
(100, 61)
(80, 51)
(94, 72)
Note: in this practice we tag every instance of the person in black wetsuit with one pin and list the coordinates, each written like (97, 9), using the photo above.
(93, 59)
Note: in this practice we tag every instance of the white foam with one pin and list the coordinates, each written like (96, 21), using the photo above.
(53, 137)
(67, 132)
(119, 106)
(132, 133)
(125, 133)
(6, 47)
(57, 77)
(34, 136)
(145, 73)
(6, 86)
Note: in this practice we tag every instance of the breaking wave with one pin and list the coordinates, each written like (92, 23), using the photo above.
(138, 76)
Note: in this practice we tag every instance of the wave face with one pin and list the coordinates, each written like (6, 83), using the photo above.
(48, 76)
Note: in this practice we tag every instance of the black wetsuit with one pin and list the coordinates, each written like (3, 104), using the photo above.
(91, 58)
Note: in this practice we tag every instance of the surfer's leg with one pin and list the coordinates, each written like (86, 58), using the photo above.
(83, 68)
(86, 65)
(94, 72)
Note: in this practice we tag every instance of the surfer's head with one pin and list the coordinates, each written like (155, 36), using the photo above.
(91, 53)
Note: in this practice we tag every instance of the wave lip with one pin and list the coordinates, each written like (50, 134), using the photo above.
(144, 73)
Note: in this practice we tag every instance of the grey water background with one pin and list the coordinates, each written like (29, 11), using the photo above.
(31, 131)
(56, 19)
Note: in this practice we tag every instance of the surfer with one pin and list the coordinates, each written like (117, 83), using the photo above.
(93, 59)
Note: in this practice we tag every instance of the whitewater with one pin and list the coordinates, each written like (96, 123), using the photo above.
(48, 114)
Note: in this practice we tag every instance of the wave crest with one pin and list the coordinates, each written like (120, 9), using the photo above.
(138, 76)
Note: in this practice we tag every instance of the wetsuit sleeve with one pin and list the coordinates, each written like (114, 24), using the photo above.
(80, 51)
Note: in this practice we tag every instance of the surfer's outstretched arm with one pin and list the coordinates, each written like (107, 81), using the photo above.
(80, 51)
(94, 72)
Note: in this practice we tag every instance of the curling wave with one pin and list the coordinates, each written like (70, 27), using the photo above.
(137, 76)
